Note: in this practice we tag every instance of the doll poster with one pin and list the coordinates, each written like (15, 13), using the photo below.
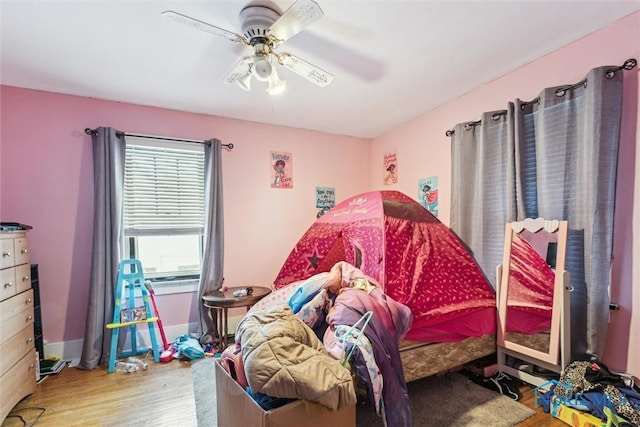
(428, 194)
(390, 165)
(281, 169)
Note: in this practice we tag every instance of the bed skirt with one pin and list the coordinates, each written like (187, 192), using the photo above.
(420, 360)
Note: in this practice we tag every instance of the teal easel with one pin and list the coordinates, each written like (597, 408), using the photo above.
(131, 279)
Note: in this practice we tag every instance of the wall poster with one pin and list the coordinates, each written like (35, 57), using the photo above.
(428, 194)
(325, 199)
(390, 165)
(281, 169)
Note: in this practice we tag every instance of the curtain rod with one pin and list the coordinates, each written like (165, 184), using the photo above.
(193, 141)
(629, 64)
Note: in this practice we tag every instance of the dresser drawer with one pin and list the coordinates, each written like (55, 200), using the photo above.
(23, 277)
(7, 283)
(11, 326)
(15, 305)
(21, 248)
(7, 254)
(15, 348)
(17, 382)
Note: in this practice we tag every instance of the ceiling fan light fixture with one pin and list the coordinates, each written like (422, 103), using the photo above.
(262, 67)
(244, 81)
(276, 84)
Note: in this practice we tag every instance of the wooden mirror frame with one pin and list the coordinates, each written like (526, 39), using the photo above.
(559, 352)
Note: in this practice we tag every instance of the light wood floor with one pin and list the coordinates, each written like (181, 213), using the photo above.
(540, 419)
(162, 395)
(159, 396)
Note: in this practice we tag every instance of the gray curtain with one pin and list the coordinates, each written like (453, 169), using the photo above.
(108, 166)
(563, 167)
(482, 187)
(576, 142)
(212, 276)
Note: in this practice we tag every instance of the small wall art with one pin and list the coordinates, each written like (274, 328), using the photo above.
(281, 169)
(428, 194)
(390, 165)
(325, 199)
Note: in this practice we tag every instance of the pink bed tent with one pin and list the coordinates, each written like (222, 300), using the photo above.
(417, 260)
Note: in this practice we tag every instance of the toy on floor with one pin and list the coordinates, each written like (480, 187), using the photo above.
(152, 294)
(170, 353)
(125, 367)
(139, 363)
(183, 347)
(129, 287)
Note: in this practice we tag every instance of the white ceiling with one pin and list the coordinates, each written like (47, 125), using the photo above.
(391, 60)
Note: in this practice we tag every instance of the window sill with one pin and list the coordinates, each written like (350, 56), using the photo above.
(176, 286)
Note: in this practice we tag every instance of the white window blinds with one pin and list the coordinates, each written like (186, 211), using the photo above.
(163, 188)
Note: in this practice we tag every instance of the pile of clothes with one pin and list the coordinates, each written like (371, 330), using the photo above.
(306, 340)
(591, 387)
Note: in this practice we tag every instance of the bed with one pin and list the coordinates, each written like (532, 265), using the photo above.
(420, 359)
(419, 262)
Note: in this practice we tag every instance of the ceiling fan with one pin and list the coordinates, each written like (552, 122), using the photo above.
(264, 29)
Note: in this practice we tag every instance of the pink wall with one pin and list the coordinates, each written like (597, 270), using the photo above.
(46, 169)
(424, 150)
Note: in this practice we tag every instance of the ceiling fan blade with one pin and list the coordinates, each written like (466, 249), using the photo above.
(241, 69)
(202, 26)
(299, 15)
(303, 68)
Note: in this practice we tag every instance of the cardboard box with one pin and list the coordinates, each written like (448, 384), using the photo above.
(237, 409)
(574, 417)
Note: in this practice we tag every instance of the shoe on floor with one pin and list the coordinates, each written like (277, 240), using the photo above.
(501, 383)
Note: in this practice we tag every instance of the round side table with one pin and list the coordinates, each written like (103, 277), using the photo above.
(222, 301)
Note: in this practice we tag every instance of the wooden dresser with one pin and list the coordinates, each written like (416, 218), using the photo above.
(17, 348)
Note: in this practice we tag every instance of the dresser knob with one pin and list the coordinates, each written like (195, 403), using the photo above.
(6, 254)
(28, 301)
(30, 340)
(8, 285)
(25, 251)
(29, 318)
(25, 278)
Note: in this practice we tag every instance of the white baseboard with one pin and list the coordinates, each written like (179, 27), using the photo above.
(72, 350)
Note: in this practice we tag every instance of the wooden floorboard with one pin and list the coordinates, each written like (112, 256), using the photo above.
(540, 419)
(159, 396)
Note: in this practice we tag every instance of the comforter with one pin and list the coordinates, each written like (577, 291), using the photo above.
(283, 357)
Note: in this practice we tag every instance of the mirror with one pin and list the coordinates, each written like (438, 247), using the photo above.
(532, 311)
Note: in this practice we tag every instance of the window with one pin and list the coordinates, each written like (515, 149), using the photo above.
(164, 211)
